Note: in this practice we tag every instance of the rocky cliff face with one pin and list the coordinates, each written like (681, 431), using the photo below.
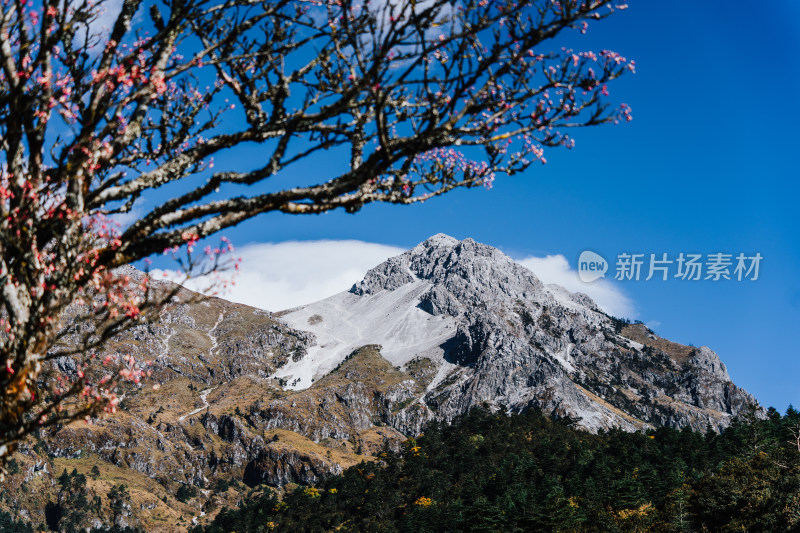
(249, 397)
(510, 341)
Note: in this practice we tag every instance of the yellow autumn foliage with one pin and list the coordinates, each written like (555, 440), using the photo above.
(422, 501)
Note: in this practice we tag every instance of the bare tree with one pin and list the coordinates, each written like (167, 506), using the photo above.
(418, 97)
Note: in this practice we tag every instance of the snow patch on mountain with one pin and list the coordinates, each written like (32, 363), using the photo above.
(347, 321)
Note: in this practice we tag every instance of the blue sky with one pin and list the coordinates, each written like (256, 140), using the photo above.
(706, 166)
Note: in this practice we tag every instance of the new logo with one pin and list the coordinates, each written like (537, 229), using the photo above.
(591, 266)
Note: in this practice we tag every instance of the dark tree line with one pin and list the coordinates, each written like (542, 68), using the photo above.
(528, 472)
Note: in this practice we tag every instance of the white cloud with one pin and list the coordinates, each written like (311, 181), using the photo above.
(105, 15)
(403, 9)
(555, 269)
(124, 220)
(653, 324)
(278, 276)
(398, 13)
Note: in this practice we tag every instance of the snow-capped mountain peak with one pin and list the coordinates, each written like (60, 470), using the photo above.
(491, 332)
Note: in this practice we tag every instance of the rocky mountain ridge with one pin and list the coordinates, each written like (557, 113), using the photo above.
(248, 397)
(497, 335)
